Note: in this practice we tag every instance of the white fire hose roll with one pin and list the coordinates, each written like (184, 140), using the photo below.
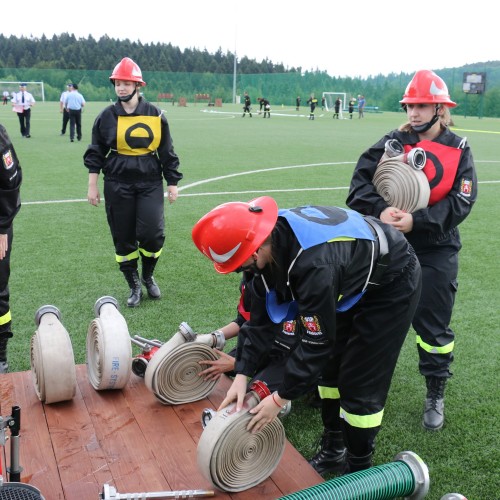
(172, 373)
(234, 459)
(401, 181)
(109, 351)
(52, 361)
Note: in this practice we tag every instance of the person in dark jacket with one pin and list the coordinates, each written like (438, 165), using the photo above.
(247, 105)
(132, 147)
(351, 284)
(10, 204)
(272, 364)
(432, 230)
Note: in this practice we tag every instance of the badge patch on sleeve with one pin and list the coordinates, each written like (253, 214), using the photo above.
(312, 330)
(289, 328)
(466, 187)
(7, 159)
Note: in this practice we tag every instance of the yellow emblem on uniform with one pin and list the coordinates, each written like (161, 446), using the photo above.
(138, 135)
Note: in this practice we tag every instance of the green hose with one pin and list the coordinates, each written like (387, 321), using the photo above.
(406, 476)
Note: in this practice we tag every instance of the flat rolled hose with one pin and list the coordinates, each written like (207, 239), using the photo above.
(109, 351)
(232, 458)
(402, 185)
(172, 373)
(52, 362)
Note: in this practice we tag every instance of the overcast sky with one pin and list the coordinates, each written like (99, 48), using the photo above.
(363, 38)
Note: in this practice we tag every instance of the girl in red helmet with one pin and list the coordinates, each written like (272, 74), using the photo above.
(433, 230)
(132, 147)
(350, 283)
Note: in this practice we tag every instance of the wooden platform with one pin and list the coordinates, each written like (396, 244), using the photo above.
(124, 438)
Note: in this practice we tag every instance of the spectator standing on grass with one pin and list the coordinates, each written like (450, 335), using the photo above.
(361, 106)
(297, 103)
(432, 231)
(74, 104)
(247, 105)
(352, 103)
(350, 283)
(132, 147)
(337, 105)
(22, 102)
(5, 97)
(323, 100)
(267, 107)
(313, 102)
(62, 108)
(10, 204)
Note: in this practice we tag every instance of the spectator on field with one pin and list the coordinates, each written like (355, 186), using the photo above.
(74, 103)
(22, 103)
(62, 108)
(297, 103)
(352, 103)
(266, 106)
(5, 97)
(132, 146)
(336, 107)
(313, 102)
(361, 106)
(247, 103)
(433, 230)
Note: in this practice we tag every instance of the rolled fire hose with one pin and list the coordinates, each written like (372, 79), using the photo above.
(172, 373)
(399, 178)
(52, 361)
(231, 457)
(109, 352)
(406, 477)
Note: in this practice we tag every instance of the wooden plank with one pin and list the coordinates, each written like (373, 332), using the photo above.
(125, 438)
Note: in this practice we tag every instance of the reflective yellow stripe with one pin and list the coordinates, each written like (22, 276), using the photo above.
(341, 238)
(362, 421)
(155, 255)
(5, 318)
(328, 392)
(126, 258)
(445, 349)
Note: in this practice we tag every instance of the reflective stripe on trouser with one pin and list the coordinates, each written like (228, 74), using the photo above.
(435, 339)
(135, 215)
(5, 314)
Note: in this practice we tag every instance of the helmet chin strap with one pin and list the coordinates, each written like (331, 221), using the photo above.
(128, 97)
(426, 126)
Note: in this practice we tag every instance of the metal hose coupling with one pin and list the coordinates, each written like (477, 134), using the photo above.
(109, 352)
(53, 370)
(416, 158)
(172, 374)
(232, 458)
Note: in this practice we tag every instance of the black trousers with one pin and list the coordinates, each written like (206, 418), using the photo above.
(136, 219)
(369, 339)
(75, 121)
(5, 323)
(65, 120)
(25, 122)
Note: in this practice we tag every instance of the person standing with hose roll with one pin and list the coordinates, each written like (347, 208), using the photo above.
(432, 230)
(132, 147)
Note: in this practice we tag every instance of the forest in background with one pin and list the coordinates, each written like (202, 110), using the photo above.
(168, 69)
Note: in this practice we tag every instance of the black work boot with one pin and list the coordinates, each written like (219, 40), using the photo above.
(148, 265)
(134, 282)
(4, 365)
(434, 403)
(331, 456)
(355, 464)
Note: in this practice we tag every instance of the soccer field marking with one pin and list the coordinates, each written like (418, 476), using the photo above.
(249, 172)
(471, 130)
(256, 113)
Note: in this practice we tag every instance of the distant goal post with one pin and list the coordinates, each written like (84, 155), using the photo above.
(331, 97)
(36, 89)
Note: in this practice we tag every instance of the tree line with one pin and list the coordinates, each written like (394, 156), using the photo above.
(166, 68)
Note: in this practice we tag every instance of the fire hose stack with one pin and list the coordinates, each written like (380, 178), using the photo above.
(232, 458)
(399, 177)
(52, 362)
(109, 352)
(172, 371)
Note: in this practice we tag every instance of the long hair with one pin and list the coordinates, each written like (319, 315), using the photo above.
(444, 120)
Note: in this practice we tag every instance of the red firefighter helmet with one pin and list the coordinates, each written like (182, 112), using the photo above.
(129, 71)
(427, 88)
(230, 233)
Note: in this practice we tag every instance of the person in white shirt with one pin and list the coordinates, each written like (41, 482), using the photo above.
(22, 103)
(64, 111)
(74, 104)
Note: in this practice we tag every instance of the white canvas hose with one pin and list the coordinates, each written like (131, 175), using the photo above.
(232, 458)
(172, 373)
(109, 351)
(399, 178)
(52, 362)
